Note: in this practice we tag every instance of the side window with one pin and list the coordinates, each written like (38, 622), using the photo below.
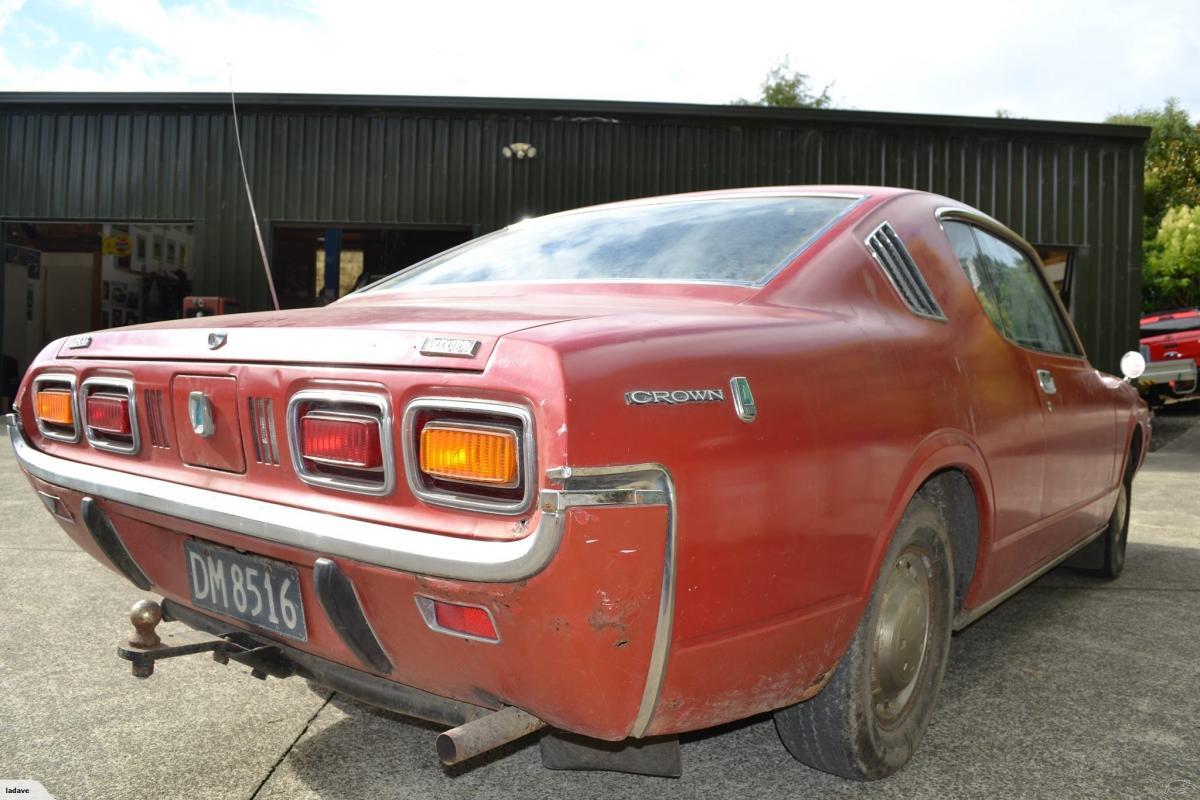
(967, 250)
(1025, 303)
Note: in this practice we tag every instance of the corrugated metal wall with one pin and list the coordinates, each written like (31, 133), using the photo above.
(175, 159)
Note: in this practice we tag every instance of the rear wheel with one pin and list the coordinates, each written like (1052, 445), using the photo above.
(868, 721)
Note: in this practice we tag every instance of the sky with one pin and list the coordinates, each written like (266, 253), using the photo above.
(1041, 59)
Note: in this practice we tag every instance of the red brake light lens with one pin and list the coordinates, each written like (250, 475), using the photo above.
(341, 440)
(471, 620)
(109, 413)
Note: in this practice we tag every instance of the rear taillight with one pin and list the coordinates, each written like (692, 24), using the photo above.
(472, 622)
(110, 414)
(471, 454)
(54, 406)
(342, 440)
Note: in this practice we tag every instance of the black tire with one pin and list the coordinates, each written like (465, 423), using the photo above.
(851, 729)
(1116, 536)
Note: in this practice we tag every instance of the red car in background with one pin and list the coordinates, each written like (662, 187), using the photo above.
(600, 472)
(1170, 342)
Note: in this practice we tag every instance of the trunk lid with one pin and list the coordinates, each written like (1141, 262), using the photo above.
(347, 334)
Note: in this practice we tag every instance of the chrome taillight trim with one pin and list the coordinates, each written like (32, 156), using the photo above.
(123, 386)
(527, 453)
(378, 401)
(58, 377)
(429, 614)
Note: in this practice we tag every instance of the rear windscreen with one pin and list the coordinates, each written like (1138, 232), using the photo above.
(737, 240)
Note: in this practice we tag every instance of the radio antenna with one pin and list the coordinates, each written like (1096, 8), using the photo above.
(262, 250)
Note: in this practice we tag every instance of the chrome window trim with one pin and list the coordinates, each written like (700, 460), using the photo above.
(1012, 238)
(69, 379)
(439, 497)
(126, 386)
(941, 315)
(856, 201)
(359, 398)
(425, 606)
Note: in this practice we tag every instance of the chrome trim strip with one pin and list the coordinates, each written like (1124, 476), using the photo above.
(425, 606)
(441, 497)
(372, 543)
(58, 377)
(376, 400)
(388, 546)
(966, 618)
(627, 485)
(126, 387)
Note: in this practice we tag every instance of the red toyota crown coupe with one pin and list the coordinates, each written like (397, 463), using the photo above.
(621, 473)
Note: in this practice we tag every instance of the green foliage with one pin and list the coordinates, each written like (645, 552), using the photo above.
(1172, 160)
(1171, 220)
(1171, 275)
(789, 88)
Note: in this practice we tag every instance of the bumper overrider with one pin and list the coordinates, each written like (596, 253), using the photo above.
(584, 603)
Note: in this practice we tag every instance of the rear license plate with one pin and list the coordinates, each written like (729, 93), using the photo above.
(255, 590)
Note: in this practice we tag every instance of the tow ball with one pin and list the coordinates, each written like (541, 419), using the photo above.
(145, 647)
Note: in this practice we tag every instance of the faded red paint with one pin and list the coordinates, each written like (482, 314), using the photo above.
(782, 523)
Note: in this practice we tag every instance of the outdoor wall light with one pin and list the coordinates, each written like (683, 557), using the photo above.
(519, 150)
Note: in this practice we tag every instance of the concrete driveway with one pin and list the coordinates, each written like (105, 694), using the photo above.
(1074, 688)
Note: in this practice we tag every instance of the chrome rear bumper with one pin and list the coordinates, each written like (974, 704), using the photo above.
(390, 546)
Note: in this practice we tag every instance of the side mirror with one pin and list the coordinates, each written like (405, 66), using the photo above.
(1133, 364)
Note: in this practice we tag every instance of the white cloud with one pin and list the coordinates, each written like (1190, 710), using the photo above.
(1047, 58)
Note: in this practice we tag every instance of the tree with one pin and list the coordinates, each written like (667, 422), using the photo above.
(1171, 218)
(789, 88)
(1171, 275)
(1172, 160)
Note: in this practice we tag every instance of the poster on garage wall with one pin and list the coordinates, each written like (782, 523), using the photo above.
(145, 272)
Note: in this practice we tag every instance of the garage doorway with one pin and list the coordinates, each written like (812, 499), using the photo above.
(63, 278)
(303, 278)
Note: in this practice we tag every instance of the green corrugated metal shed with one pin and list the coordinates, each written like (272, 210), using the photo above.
(434, 160)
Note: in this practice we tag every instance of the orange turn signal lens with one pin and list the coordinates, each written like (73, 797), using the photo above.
(55, 406)
(470, 454)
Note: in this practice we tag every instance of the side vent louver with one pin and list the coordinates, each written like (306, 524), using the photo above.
(262, 421)
(155, 420)
(902, 271)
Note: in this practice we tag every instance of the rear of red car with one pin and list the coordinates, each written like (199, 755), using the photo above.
(1170, 342)
(394, 521)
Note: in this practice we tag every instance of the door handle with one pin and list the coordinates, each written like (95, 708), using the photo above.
(1046, 381)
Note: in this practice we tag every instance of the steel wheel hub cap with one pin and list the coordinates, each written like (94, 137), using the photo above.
(902, 636)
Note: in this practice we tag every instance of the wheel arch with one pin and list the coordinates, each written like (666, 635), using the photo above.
(949, 470)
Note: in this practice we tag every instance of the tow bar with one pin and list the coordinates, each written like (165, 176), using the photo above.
(145, 647)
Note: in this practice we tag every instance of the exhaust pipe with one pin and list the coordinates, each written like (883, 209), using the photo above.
(486, 733)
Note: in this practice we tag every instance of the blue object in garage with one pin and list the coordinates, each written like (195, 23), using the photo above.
(333, 262)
